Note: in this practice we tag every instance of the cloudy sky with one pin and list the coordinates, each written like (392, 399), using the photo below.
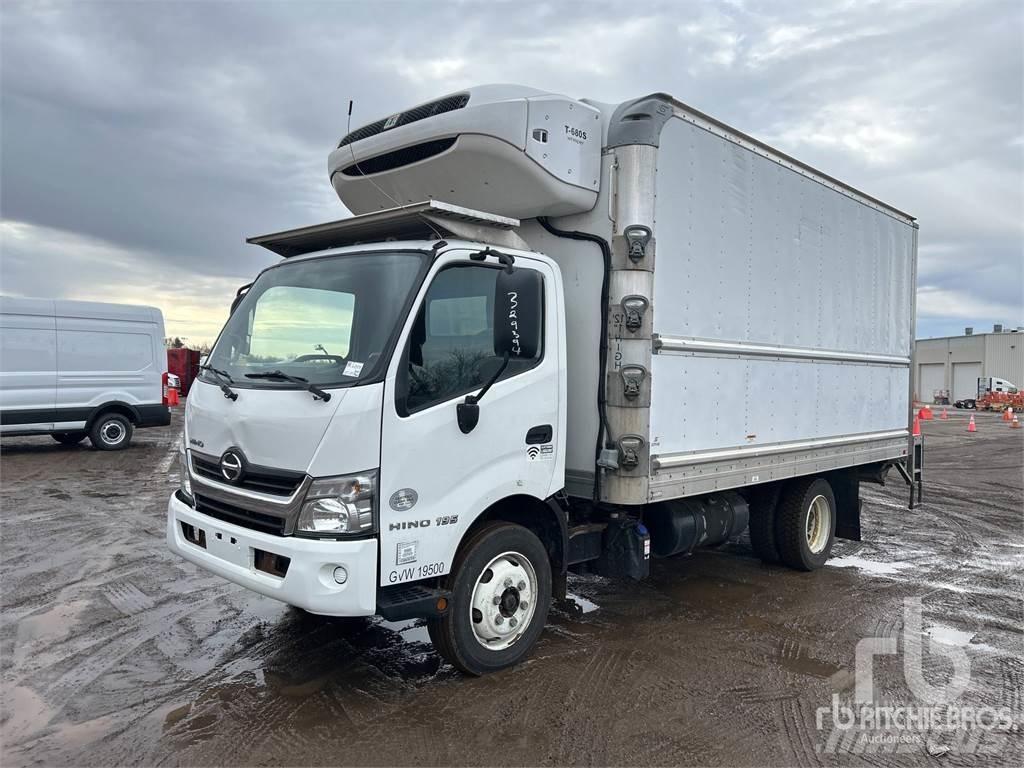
(140, 143)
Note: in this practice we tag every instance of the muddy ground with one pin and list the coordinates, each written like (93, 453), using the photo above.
(115, 652)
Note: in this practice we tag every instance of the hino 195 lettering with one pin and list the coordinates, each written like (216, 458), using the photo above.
(557, 336)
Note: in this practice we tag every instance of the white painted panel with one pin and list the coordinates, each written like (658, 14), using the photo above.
(105, 359)
(707, 403)
(28, 356)
(748, 250)
(965, 380)
(932, 378)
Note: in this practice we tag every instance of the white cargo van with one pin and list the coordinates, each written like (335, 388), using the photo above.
(558, 335)
(73, 369)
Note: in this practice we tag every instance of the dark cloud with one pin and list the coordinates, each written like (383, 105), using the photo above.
(142, 142)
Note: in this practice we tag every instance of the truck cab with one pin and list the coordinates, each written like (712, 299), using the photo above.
(336, 359)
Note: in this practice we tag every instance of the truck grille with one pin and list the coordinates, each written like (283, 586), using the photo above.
(398, 158)
(245, 518)
(447, 104)
(277, 482)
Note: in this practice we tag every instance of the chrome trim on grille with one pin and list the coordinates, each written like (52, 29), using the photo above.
(279, 506)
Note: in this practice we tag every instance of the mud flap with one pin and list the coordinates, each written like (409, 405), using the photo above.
(846, 489)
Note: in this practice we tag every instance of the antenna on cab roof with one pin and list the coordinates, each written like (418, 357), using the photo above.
(376, 186)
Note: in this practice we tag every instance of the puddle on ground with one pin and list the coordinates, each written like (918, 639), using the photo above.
(410, 630)
(940, 633)
(868, 566)
(585, 605)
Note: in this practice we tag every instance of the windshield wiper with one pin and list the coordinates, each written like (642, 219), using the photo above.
(225, 379)
(317, 393)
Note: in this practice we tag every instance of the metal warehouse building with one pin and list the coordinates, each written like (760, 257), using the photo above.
(954, 363)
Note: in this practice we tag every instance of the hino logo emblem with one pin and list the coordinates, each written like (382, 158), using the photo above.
(231, 466)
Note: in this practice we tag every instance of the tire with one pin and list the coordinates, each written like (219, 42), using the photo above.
(803, 544)
(69, 438)
(763, 509)
(111, 432)
(509, 553)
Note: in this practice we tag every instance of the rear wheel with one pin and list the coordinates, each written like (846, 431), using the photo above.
(111, 432)
(806, 524)
(501, 592)
(69, 438)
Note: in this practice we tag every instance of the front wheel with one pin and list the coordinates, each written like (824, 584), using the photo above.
(806, 524)
(501, 591)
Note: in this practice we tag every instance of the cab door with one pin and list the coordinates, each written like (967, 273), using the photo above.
(435, 478)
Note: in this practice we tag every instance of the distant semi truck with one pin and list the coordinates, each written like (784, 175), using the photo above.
(77, 369)
(994, 394)
(558, 336)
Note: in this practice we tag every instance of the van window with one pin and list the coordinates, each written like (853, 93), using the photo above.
(103, 351)
(450, 352)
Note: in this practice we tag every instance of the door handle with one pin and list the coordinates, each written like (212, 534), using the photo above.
(539, 434)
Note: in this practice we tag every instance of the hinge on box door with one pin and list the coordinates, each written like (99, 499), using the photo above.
(633, 379)
(634, 307)
(630, 447)
(637, 237)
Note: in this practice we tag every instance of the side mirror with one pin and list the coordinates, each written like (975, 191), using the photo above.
(518, 314)
(203, 360)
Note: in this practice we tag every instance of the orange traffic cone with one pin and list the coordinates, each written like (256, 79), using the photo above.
(925, 414)
(917, 426)
(945, 414)
(1015, 424)
(971, 427)
(1008, 414)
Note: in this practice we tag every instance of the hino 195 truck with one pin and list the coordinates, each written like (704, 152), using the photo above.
(556, 336)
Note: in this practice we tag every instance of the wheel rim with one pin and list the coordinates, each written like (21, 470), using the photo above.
(112, 432)
(819, 524)
(504, 601)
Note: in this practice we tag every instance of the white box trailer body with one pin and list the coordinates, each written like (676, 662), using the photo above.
(779, 318)
(77, 368)
(712, 331)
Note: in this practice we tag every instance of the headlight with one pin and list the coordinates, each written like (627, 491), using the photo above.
(340, 505)
(184, 481)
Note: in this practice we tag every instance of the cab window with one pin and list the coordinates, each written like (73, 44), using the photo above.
(450, 351)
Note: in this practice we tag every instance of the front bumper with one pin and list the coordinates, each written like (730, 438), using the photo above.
(309, 581)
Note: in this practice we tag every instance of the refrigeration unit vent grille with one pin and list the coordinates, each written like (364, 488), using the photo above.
(400, 157)
(447, 104)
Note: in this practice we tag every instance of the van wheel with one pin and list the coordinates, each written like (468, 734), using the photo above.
(501, 591)
(806, 524)
(69, 438)
(111, 432)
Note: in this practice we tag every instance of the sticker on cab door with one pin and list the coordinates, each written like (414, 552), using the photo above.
(352, 369)
(544, 452)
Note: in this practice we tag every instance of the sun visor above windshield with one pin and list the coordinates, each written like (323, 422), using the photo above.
(422, 221)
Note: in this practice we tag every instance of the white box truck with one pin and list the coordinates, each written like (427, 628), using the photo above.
(72, 369)
(557, 335)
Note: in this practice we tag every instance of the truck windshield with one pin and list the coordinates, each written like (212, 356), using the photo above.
(326, 320)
